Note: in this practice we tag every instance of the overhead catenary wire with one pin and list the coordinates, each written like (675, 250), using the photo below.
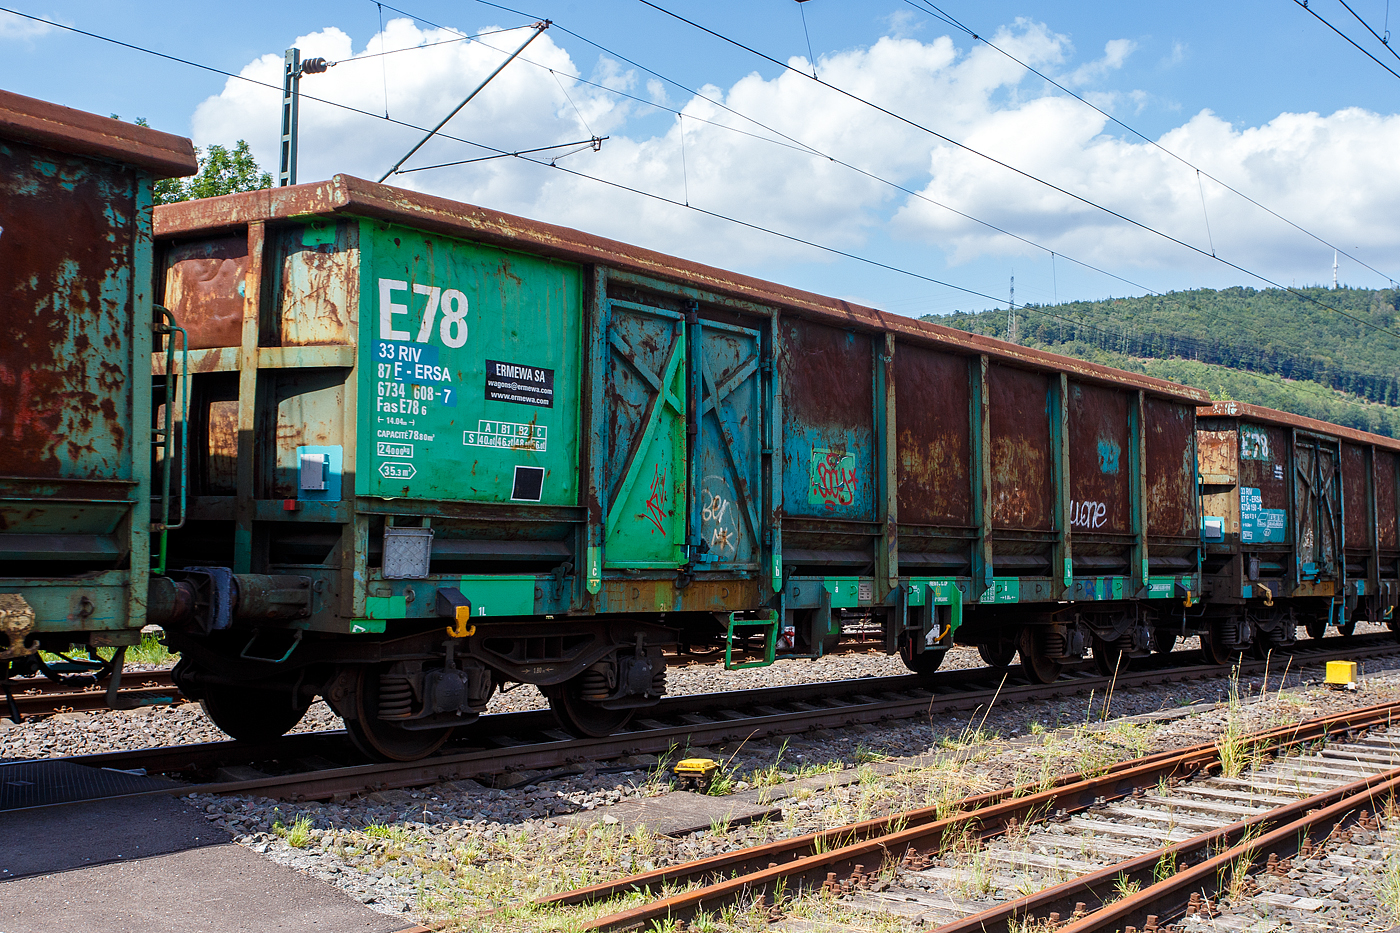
(927, 7)
(594, 143)
(527, 158)
(783, 139)
(539, 28)
(1349, 39)
(1384, 42)
(1088, 202)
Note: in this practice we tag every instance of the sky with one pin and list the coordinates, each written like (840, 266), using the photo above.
(886, 194)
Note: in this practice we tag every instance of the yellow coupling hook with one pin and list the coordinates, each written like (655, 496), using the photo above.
(1268, 594)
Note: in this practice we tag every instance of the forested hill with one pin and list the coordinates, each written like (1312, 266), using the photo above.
(1269, 347)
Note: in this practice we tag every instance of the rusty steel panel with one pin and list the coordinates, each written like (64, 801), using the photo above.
(66, 379)
(221, 463)
(1218, 457)
(1267, 518)
(1260, 415)
(1171, 468)
(931, 420)
(204, 283)
(1100, 459)
(310, 413)
(1356, 530)
(829, 422)
(318, 284)
(1022, 478)
(1317, 503)
(1386, 464)
(63, 129)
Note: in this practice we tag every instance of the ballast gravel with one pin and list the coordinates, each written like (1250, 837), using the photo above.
(457, 851)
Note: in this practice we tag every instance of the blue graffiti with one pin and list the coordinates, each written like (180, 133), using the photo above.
(1108, 456)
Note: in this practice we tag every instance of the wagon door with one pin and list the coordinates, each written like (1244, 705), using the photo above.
(645, 395)
(728, 455)
(1317, 494)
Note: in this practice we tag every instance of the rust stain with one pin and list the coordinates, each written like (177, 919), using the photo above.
(1021, 478)
(65, 285)
(204, 284)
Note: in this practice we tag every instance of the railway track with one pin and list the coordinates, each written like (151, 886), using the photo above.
(1083, 855)
(325, 766)
(37, 696)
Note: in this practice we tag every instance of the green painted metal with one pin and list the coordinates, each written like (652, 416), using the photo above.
(768, 623)
(386, 607)
(980, 437)
(1063, 554)
(500, 595)
(645, 527)
(468, 371)
(367, 626)
(1003, 590)
(845, 592)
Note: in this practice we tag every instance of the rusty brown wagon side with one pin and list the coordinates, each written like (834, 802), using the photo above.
(76, 393)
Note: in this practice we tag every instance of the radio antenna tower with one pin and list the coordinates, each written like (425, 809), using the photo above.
(1334, 270)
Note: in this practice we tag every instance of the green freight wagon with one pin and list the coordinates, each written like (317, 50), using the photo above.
(435, 450)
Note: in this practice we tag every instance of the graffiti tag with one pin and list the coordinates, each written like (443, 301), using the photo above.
(833, 478)
(1088, 514)
(656, 505)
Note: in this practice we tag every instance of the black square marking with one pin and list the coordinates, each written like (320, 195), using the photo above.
(529, 484)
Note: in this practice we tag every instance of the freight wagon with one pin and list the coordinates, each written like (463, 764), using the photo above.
(409, 452)
(1299, 527)
(77, 498)
(460, 450)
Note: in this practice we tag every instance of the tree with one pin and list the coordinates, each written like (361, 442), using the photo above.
(221, 171)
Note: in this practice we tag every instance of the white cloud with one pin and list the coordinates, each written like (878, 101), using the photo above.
(1115, 53)
(1331, 173)
(19, 27)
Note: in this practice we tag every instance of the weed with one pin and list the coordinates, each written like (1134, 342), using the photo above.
(1125, 888)
(1390, 884)
(381, 831)
(1238, 753)
(864, 755)
(299, 834)
(1166, 866)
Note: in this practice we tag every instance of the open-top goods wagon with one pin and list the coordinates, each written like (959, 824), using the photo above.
(410, 451)
(467, 449)
(1299, 526)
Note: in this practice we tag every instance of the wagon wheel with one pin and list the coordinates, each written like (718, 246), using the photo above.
(998, 653)
(1213, 644)
(379, 738)
(1346, 629)
(1163, 641)
(925, 662)
(1278, 643)
(581, 717)
(1108, 659)
(1038, 668)
(251, 715)
(1316, 628)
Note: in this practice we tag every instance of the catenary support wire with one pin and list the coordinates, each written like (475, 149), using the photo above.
(539, 28)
